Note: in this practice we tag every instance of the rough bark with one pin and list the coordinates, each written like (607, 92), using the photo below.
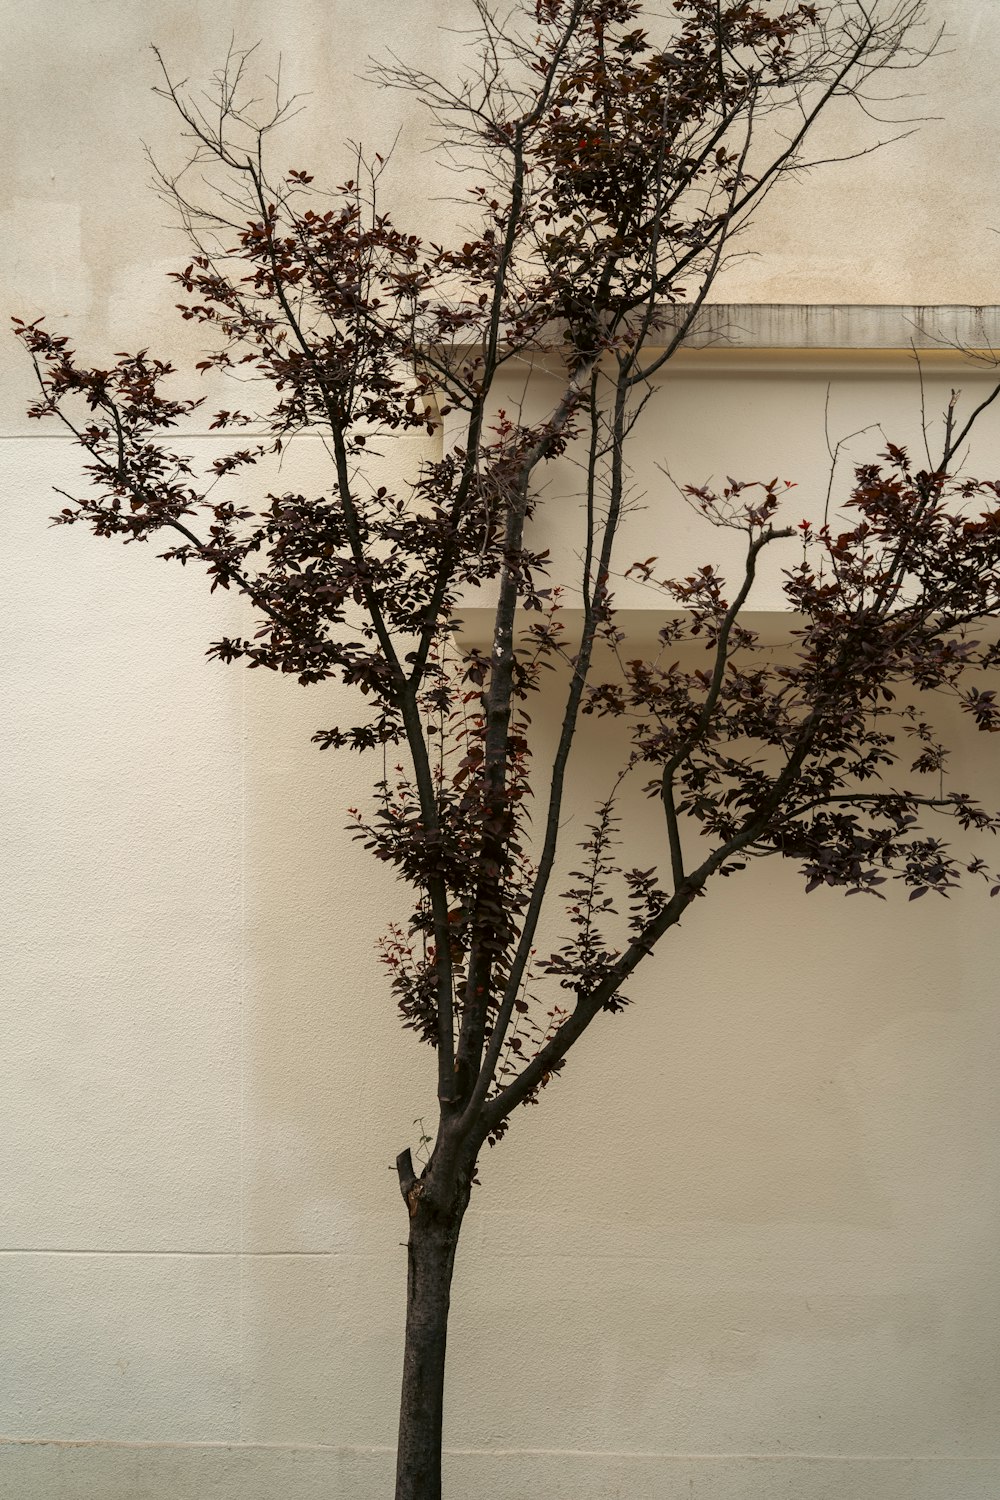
(431, 1259)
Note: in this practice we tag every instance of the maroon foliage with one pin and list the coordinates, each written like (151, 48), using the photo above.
(615, 170)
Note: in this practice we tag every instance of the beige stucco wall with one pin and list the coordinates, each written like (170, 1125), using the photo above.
(85, 239)
(747, 1249)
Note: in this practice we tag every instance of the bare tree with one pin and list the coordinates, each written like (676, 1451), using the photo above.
(613, 172)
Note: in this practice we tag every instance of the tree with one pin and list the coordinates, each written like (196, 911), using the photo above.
(613, 174)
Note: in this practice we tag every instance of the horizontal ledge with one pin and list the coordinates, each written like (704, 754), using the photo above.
(954, 330)
(773, 627)
(849, 325)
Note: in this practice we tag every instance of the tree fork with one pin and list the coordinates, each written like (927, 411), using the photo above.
(430, 1253)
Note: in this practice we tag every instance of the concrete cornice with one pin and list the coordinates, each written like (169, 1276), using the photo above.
(849, 326)
(815, 336)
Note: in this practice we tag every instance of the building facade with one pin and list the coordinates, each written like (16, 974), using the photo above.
(748, 1248)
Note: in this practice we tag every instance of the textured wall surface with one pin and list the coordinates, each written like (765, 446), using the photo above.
(748, 1248)
(914, 223)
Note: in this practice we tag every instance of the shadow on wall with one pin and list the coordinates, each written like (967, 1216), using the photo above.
(753, 1215)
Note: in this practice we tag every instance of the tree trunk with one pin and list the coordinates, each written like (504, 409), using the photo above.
(431, 1256)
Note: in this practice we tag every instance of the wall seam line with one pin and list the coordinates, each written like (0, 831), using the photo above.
(581, 1453)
